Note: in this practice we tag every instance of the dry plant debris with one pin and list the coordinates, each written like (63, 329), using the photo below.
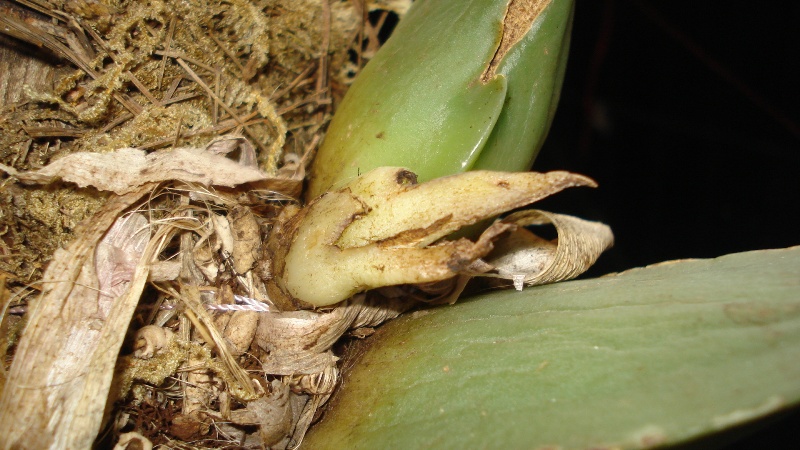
(384, 229)
(181, 133)
(156, 74)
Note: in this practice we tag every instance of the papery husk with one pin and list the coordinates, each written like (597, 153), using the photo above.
(59, 381)
(126, 169)
(299, 342)
(528, 259)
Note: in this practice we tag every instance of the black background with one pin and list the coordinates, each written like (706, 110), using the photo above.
(686, 114)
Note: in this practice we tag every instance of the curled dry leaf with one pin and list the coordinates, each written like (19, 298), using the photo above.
(538, 261)
(384, 229)
(151, 340)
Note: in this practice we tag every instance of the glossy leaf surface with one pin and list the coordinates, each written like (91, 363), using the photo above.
(423, 103)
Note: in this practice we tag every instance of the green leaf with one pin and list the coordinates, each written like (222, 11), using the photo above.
(534, 69)
(430, 98)
(651, 356)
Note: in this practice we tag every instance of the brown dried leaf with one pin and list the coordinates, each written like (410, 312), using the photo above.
(126, 169)
(59, 382)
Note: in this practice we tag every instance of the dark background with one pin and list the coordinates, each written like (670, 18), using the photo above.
(686, 113)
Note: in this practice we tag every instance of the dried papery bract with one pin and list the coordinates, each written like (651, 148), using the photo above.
(577, 247)
(59, 381)
(383, 229)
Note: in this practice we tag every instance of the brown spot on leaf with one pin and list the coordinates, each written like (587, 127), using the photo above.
(751, 313)
(406, 177)
(519, 17)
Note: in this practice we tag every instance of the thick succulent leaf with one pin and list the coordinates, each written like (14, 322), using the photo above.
(432, 95)
(535, 70)
(648, 357)
(419, 103)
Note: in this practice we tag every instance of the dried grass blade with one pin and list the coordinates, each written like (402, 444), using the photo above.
(190, 295)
